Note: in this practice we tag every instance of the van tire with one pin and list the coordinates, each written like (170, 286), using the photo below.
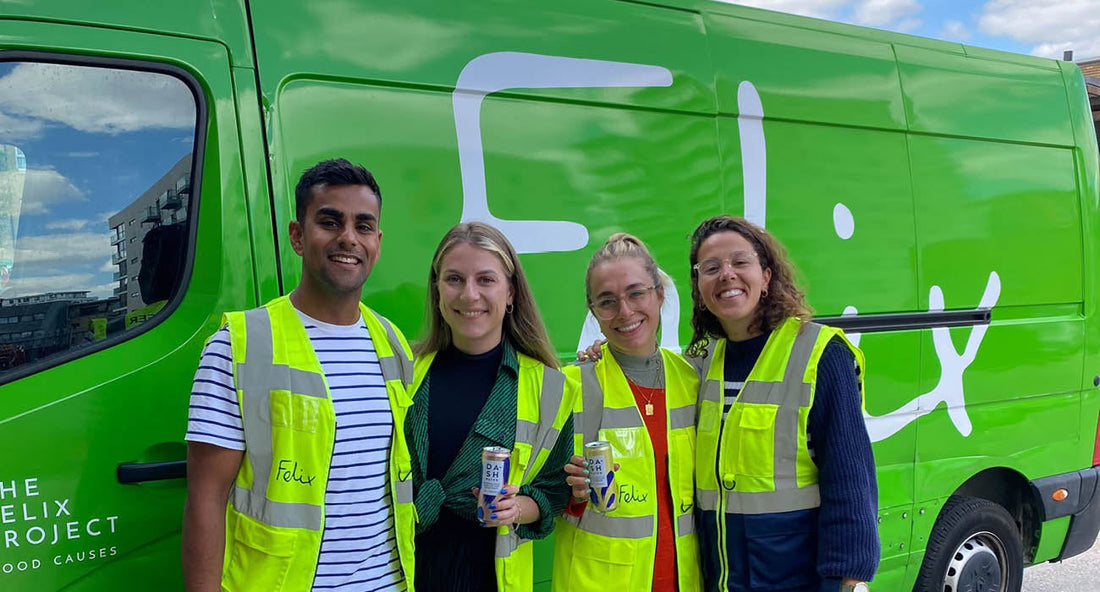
(974, 540)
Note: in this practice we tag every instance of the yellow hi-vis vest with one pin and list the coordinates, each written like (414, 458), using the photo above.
(545, 401)
(757, 460)
(273, 526)
(617, 550)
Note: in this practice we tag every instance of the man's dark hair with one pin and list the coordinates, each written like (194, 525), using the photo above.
(336, 171)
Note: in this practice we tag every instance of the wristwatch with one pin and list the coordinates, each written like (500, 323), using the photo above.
(858, 587)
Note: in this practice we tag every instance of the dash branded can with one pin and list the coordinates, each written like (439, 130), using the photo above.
(495, 465)
(601, 474)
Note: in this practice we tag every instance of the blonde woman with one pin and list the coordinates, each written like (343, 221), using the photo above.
(641, 399)
(485, 375)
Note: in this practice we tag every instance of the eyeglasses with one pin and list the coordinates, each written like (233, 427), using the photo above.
(606, 307)
(738, 261)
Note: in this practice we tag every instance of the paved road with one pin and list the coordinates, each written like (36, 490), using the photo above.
(1076, 574)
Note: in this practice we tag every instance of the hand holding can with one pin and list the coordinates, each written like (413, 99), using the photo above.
(601, 476)
(495, 469)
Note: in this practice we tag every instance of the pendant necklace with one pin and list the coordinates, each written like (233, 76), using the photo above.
(648, 407)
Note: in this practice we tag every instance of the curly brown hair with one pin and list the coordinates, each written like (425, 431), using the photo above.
(783, 299)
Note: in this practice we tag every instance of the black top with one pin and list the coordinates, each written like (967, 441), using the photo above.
(464, 404)
(461, 384)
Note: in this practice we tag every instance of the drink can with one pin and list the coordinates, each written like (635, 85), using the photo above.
(495, 466)
(601, 475)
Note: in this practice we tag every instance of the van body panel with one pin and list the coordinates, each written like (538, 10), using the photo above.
(223, 21)
(808, 75)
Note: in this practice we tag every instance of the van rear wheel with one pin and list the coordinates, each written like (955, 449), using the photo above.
(974, 547)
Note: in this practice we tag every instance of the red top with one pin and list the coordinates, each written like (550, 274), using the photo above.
(664, 568)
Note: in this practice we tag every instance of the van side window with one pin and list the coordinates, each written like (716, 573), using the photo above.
(92, 159)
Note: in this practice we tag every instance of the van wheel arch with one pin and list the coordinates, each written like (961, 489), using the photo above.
(1013, 492)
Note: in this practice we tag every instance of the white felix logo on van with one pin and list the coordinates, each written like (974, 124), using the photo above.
(494, 72)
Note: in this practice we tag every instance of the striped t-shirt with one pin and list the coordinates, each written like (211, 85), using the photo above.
(359, 544)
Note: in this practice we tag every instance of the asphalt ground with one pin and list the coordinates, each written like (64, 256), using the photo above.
(1076, 574)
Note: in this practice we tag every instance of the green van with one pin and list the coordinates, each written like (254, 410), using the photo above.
(941, 201)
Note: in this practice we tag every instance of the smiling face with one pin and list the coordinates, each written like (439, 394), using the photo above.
(637, 312)
(730, 281)
(474, 293)
(338, 239)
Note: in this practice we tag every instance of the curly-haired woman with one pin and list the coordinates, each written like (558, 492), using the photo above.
(785, 476)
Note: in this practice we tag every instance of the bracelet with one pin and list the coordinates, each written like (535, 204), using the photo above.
(519, 514)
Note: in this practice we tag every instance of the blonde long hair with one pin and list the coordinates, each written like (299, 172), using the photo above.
(523, 327)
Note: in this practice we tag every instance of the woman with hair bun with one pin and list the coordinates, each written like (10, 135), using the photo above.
(785, 476)
(641, 399)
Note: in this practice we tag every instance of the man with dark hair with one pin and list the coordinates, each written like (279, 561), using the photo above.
(298, 471)
(337, 171)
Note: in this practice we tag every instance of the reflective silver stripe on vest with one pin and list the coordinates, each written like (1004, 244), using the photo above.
(769, 502)
(543, 435)
(546, 435)
(400, 366)
(681, 417)
(619, 527)
(403, 491)
(790, 400)
(574, 520)
(280, 514)
(706, 499)
(256, 377)
(588, 424)
(506, 543)
(526, 431)
(713, 390)
(685, 524)
(621, 417)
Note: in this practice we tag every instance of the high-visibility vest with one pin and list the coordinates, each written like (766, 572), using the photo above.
(617, 550)
(545, 401)
(273, 525)
(757, 460)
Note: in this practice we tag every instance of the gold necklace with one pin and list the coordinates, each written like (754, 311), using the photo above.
(660, 384)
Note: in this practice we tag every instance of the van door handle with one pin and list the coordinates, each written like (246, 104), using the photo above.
(134, 472)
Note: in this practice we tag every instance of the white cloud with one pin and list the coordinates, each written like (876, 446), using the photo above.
(1048, 26)
(45, 186)
(17, 129)
(881, 13)
(907, 25)
(814, 8)
(108, 267)
(82, 154)
(97, 100)
(78, 248)
(954, 31)
(29, 286)
(67, 224)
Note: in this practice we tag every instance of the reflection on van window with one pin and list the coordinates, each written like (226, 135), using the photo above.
(95, 187)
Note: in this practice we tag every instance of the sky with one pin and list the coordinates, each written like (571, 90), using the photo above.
(94, 140)
(1043, 28)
